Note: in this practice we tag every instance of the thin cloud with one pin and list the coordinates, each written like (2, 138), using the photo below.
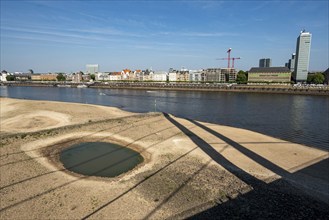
(205, 5)
(212, 4)
(198, 34)
(39, 39)
(203, 34)
(261, 5)
(86, 34)
(52, 33)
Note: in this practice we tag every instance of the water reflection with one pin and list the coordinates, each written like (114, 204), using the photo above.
(4, 91)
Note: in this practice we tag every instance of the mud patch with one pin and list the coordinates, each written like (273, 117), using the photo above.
(39, 120)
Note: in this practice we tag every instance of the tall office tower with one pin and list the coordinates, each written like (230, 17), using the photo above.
(265, 62)
(292, 62)
(92, 68)
(303, 49)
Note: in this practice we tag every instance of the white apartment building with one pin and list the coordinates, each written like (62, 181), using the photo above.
(196, 75)
(172, 76)
(160, 76)
(102, 76)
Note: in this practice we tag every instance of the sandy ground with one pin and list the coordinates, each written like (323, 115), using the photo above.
(190, 169)
(27, 116)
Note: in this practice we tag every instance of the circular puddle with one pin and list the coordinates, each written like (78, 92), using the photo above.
(100, 159)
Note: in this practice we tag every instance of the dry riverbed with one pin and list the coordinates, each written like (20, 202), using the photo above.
(190, 168)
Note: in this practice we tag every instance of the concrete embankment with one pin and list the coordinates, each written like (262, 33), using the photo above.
(211, 87)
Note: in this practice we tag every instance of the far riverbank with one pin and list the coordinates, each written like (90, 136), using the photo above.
(178, 86)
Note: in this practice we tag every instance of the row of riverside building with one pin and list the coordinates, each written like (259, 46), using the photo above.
(183, 75)
(219, 75)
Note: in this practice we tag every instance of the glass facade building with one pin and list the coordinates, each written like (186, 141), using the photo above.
(303, 49)
(92, 68)
(265, 62)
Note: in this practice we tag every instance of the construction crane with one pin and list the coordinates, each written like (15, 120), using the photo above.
(235, 58)
(229, 58)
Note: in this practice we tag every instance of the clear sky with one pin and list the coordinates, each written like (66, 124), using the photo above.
(54, 36)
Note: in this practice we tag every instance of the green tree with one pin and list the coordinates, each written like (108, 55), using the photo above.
(60, 77)
(317, 78)
(31, 71)
(10, 78)
(92, 76)
(310, 78)
(241, 77)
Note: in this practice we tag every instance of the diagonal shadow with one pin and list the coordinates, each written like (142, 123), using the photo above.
(272, 200)
(259, 159)
(217, 157)
(296, 178)
(180, 187)
(277, 200)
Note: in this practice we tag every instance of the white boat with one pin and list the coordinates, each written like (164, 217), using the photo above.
(82, 86)
(63, 85)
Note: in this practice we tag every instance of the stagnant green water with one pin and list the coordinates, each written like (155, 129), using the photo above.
(99, 159)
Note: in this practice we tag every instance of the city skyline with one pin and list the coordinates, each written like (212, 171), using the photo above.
(60, 36)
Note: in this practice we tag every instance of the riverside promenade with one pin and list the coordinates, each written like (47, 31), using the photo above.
(212, 87)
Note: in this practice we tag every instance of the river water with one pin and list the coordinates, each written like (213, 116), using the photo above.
(296, 118)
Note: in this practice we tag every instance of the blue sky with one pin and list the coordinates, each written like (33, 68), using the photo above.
(54, 36)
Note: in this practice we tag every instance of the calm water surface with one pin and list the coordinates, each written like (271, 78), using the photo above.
(296, 118)
(100, 159)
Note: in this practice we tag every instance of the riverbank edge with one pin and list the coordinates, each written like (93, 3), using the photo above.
(263, 89)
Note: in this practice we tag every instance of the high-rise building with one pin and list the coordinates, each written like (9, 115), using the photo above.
(265, 62)
(92, 68)
(303, 49)
(292, 62)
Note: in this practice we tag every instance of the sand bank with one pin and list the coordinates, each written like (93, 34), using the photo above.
(191, 168)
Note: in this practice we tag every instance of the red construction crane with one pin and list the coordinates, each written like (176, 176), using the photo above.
(235, 58)
(229, 58)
